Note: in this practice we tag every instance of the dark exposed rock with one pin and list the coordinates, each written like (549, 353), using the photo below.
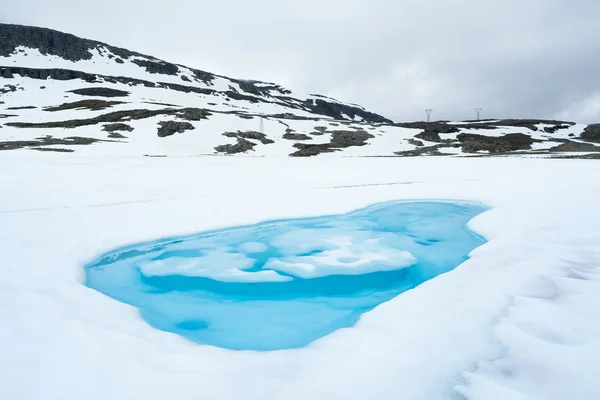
(421, 151)
(338, 110)
(309, 150)
(250, 87)
(116, 135)
(591, 133)
(7, 74)
(339, 140)
(49, 41)
(7, 88)
(185, 78)
(52, 73)
(417, 143)
(193, 114)
(101, 92)
(47, 141)
(115, 116)
(571, 146)
(21, 108)
(429, 136)
(431, 132)
(296, 136)
(265, 89)
(53, 149)
(555, 128)
(250, 135)
(321, 129)
(443, 127)
(119, 61)
(241, 146)
(157, 67)
(156, 103)
(168, 128)
(117, 127)
(93, 105)
(531, 123)
(510, 142)
(342, 139)
(203, 76)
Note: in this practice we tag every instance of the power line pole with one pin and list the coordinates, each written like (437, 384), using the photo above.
(428, 111)
(478, 111)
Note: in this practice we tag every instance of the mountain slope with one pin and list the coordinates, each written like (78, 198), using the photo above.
(59, 92)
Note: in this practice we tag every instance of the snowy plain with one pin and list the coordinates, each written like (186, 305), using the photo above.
(519, 320)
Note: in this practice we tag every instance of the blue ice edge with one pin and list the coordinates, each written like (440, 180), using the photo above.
(283, 284)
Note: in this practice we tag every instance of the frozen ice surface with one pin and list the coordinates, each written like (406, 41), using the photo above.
(283, 284)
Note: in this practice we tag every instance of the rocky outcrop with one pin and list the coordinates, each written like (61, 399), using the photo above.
(575, 147)
(472, 143)
(115, 116)
(49, 41)
(92, 105)
(169, 128)
(309, 150)
(591, 133)
(261, 137)
(339, 140)
(47, 141)
(296, 136)
(417, 143)
(117, 127)
(193, 114)
(157, 67)
(241, 146)
(343, 139)
(338, 111)
(100, 92)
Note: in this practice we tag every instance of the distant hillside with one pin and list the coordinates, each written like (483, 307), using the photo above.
(62, 93)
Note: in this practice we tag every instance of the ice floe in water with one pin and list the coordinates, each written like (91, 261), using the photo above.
(283, 284)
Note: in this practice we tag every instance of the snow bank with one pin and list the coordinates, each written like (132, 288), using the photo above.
(468, 330)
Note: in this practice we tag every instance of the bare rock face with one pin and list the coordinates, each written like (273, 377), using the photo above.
(117, 127)
(339, 140)
(415, 142)
(261, 137)
(591, 133)
(90, 104)
(100, 92)
(575, 147)
(241, 146)
(472, 143)
(169, 128)
(296, 136)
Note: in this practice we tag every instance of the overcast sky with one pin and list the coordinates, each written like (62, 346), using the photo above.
(513, 58)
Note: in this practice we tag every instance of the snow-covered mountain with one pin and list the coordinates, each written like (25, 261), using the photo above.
(62, 93)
